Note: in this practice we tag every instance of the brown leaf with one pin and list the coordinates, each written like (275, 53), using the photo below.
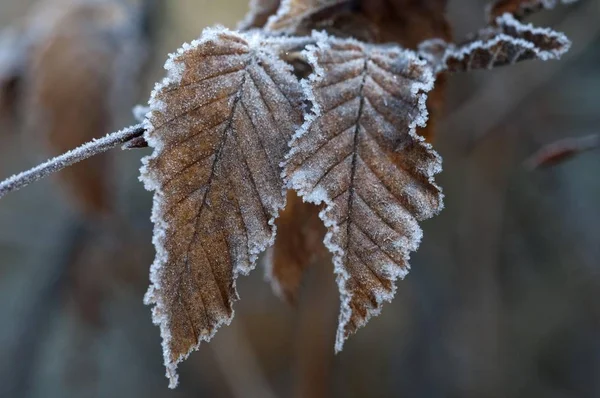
(220, 126)
(561, 151)
(291, 13)
(259, 13)
(74, 80)
(298, 246)
(405, 22)
(521, 8)
(509, 42)
(362, 158)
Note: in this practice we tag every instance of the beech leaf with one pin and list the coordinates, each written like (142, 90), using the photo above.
(299, 245)
(292, 12)
(259, 13)
(219, 125)
(360, 155)
(508, 42)
(521, 8)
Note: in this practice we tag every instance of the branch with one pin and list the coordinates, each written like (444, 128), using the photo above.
(562, 150)
(58, 163)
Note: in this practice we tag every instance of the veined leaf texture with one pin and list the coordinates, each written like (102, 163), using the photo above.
(362, 158)
(219, 126)
(236, 125)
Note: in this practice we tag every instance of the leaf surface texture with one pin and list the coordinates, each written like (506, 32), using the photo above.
(361, 156)
(219, 125)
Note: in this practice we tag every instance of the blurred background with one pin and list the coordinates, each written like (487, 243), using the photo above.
(503, 299)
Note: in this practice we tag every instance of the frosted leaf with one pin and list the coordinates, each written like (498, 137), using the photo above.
(219, 125)
(406, 22)
(300, 17)
(360, 155)
(433, 51)
(259, 13)
(291, 13)
(299, 245)
(521, 8)
(509, 42)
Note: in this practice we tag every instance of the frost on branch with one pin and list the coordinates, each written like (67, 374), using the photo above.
(219, 125)
(361, 156)
(508, 42)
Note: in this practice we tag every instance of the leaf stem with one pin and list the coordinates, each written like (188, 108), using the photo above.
(69, 158)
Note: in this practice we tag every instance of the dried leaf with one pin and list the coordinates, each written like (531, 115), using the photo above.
(407, 22)
(404, 22)
(291, 13)
(411, 23)
(298, 246)
(561, 151)
(362, 157)
(338, 17)
(259, 13)
(509, 42)
(219, 126)
(521, 8)
(75, 78)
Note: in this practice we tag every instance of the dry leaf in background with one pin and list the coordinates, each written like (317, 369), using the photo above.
(259, 13)
(81, 64)
(219, 126)
(420, 21)
(290, 13)
(521, 8)
(362, 158)
(299, 245)
(402, 22)
(561, 151)
(508, 42)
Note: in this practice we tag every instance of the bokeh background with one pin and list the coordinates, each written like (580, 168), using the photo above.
(503, 299)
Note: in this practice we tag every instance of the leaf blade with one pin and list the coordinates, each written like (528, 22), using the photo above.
(219, 125)
(364, 160)
(508, 42)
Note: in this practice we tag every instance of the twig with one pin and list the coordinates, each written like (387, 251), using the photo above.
(58, 163)
(562, 150)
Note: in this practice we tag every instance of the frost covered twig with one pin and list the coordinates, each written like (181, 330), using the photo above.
(58, 163)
